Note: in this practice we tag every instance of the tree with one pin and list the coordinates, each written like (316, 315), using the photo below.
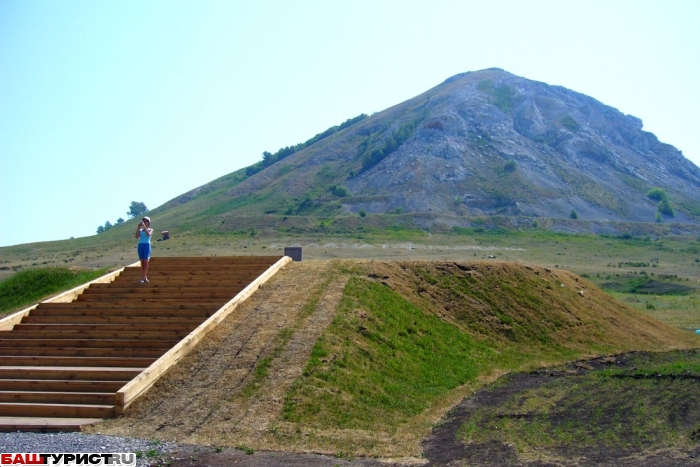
(108, 225)
(120, 221)
(100, 229)
(268, 159)
(136, 209)
(574, 214)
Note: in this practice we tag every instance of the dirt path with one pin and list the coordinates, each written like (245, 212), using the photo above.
(205, 399)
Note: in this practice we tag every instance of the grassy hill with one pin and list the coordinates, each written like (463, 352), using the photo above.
(363, 357)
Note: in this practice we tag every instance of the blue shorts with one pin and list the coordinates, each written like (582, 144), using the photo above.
(144, 250)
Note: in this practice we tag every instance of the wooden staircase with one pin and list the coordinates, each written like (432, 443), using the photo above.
(63, 365)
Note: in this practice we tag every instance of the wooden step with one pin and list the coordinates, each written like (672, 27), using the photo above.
(157, 294)
(93, 335)
(81, 352)
(31, 397)
(220, 298)
(214, 259)
(69, 373)
(147, 312)
(109, 327)
(123, 305)
(12, 409)
(171, 283)
(92, 343)
(44, 424)
(164, 288)
(48, 385)
(136, 299)
(17, 360)
(188, 272)
(193, 263)
(130, 320)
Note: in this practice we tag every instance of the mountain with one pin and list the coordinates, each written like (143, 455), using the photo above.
(483, 143)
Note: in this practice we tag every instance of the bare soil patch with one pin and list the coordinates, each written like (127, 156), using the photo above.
(622, 433)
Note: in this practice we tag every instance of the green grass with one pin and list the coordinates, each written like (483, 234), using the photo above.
(31, 285)
(649, 404)
(385, 363)
(682, 311)
(386, 359)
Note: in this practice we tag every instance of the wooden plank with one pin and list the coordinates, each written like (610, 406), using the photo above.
(186, 272)
(92, 343)
(52, 360)
(81, 352)
(69, 373)
(146, 309)
(146, 312)
(95, 335)
(46, 397)
(43, 424)
(56, 307)
(179, 297)
(131, 320)
(137, 300)
(238, 259)
(127, 394)
(60, 385)
(12, 409)
(173, 284)
(174, 292)
(103, 327)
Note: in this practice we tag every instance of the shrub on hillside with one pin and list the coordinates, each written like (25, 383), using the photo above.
(657, 194)
(664, 206)
(339, 191)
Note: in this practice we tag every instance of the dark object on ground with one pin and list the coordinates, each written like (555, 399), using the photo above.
(293, 252)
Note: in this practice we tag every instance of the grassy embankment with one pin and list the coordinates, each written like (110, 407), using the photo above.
(32, 285)
(411, 339)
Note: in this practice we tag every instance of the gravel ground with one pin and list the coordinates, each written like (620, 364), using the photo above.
(80, 442)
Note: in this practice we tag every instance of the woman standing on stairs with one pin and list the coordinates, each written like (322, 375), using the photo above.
(143, 233)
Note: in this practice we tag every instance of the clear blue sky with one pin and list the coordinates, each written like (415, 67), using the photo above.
(104, 103)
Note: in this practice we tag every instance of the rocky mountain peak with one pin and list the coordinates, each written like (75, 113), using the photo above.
(481, 143)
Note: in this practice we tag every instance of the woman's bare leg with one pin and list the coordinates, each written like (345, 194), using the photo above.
(144, 269)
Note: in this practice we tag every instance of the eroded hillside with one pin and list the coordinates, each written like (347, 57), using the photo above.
(364, 357)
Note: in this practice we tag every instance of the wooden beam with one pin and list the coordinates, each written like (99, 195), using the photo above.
(133, 389)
